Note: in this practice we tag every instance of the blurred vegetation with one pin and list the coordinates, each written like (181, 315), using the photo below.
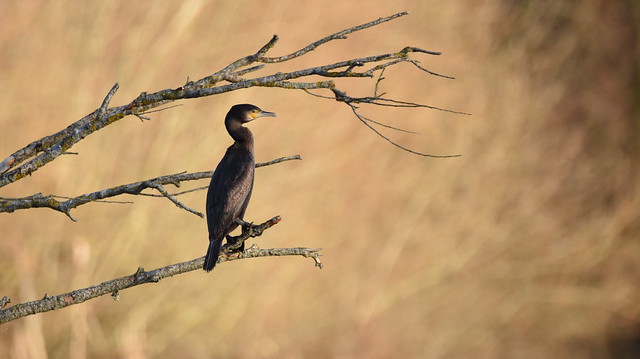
(525, 247)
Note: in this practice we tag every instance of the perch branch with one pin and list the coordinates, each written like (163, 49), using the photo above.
(40, 201)
(230, 78)
(249, 230)
(114, 286)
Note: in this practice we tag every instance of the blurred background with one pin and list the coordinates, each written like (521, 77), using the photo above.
(524, 247)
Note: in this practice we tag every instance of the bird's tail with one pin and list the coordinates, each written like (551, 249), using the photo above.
(213, 252)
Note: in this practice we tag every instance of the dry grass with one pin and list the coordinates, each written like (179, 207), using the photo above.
(526, 247)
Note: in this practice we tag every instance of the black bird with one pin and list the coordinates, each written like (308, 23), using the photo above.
(232, 181)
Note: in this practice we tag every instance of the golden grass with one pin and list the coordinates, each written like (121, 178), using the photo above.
(525, 247)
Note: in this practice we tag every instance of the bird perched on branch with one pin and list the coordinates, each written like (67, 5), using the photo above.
(232, 181)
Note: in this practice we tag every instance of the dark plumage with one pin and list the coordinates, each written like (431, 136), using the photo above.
(232, 181)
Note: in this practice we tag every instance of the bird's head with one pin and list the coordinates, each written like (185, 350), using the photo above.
(245, 113)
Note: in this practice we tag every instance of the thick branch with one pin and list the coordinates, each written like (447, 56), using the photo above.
(141, 276)
(40, 201)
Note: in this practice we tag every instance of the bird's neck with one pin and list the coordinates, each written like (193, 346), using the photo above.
(240, 134)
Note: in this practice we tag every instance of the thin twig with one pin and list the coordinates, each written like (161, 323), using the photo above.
(316, 95)
(101, 201)
(375, 88)
(163, 109)
(355, 111)
(386, 102)
(278, 160)
(173, 194)
(416, 64)
(338, 35)
(388, 126)
(179, 204)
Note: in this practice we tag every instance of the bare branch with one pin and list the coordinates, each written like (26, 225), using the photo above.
(338, 35)
(40, 201)
(114, 286)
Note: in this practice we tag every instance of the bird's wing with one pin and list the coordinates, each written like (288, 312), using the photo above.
(229, 192)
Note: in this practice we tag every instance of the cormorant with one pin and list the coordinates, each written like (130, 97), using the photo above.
(232, 181)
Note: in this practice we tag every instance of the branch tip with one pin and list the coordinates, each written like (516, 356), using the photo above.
(315, 255)
(105, 103)
(4, 301)
(68, 213)
(6, 164)
(268, 46)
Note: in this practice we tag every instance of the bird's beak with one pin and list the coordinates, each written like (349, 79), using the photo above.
(264, 114)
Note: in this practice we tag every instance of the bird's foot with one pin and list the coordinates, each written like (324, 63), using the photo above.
(235, 244)
(250, 229)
